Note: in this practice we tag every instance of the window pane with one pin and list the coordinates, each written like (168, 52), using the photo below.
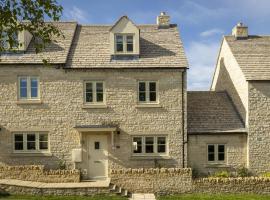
(221, 152)
(34, 87)
(119, 43)
(152, 86)
(43, 137)
(18, 141)
(43, 145)
(31, 141)
(221, 156)
(142, 96)
(211, 153)
(99, 87)
(149, 145)
(161, 142)
(221, 148)
(88, 92)
(142, 87)
(130, 43)
(43, 141)
(89, 97)
(88, 87)
(99, 97)
(139, 144)
(153, 96)
(23, 87)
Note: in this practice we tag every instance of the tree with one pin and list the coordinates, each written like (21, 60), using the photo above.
(28, 15)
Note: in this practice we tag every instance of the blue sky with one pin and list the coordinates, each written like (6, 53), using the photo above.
(202, 24)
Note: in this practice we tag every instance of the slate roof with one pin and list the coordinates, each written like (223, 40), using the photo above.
(55, 53)
(253, 56)
(212, 112)
(158, 48)
(87, 46)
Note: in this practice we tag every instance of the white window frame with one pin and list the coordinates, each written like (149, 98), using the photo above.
(155, 146)
(124, 43)
(147, 91)
(216, 154)
(25, 150)
(94, 87)
(28, 78)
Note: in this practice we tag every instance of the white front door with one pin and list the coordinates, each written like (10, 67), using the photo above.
(97, 156)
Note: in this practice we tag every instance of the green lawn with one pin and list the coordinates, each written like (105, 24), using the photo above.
(215, 197)
(19, 197)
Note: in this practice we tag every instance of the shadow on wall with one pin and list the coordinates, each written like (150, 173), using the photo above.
(226, 84)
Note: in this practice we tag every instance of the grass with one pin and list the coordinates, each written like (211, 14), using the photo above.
(24, 197)
(216, 197)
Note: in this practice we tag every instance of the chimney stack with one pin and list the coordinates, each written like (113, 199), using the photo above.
(163, 20)
(240, 31)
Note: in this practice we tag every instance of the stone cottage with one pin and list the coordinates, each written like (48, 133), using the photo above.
(112, 97)
(228, 127)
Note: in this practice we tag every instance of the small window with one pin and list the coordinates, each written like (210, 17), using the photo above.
(216, 152)
(5, 41)
(147, 92)
(94, 92)
(124, 43)
(146, 145)
(28, 88)
(31, 142)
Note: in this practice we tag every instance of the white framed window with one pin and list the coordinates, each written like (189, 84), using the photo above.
(149, 145)
(124, 43)
(147, 92)
(28, 88)
(216, 153)
(31, 142)
(94, 92)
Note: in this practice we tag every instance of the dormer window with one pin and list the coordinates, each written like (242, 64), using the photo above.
(124, 43)
(5, 41)
(124, 39)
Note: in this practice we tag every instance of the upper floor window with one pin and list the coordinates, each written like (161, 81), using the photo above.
(94, 92)
(31, 142)
(149, 145)
(216, 152)
(124, 43)
(5, 40)
(147, 91)
(28, 87)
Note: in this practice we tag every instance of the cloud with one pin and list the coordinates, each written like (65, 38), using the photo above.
(202, 58)
(211, 32)
(76, 14)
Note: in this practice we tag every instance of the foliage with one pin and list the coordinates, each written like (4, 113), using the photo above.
(216, 197)
(221, 174)
(266, 175)
(242, 172)
(29, 15)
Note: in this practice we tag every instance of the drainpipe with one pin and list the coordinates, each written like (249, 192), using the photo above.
(184, 142)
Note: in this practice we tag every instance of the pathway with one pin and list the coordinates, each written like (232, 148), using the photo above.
(143, 197)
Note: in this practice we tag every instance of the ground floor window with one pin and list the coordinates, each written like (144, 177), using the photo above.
(216, 152)
(31, 142)
(149, 145)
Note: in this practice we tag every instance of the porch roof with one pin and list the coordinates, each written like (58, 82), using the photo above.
(96, 128)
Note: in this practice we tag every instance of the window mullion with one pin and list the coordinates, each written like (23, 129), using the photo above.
(125, 43)
(28, 85)
(147, 91)
(37, 141)
(143, 144)
(155, 145)
(94, 89)
(24, 141)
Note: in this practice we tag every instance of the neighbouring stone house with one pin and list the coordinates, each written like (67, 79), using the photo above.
(229, 125)
(113, 97)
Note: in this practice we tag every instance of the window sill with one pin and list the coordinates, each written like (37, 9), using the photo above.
(148, 105)
(24, 154)
(23, 102)
(93, 106)
(216, 165)
(148, 157)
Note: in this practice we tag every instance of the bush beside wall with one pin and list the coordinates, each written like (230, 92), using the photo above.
(39, 174)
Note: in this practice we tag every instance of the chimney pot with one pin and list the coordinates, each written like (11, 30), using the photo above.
(240, 31)
(163, 20)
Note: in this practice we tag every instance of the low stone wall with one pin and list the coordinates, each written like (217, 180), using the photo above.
(39, 174)
(255, 185)
(160, 181)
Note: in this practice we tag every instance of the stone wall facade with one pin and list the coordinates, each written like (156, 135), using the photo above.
(160, 181)
(259, 126)
(38, 174)
(253, 185)
(235, 148)
(62, 108)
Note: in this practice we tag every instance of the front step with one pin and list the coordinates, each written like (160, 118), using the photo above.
(119, 190)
